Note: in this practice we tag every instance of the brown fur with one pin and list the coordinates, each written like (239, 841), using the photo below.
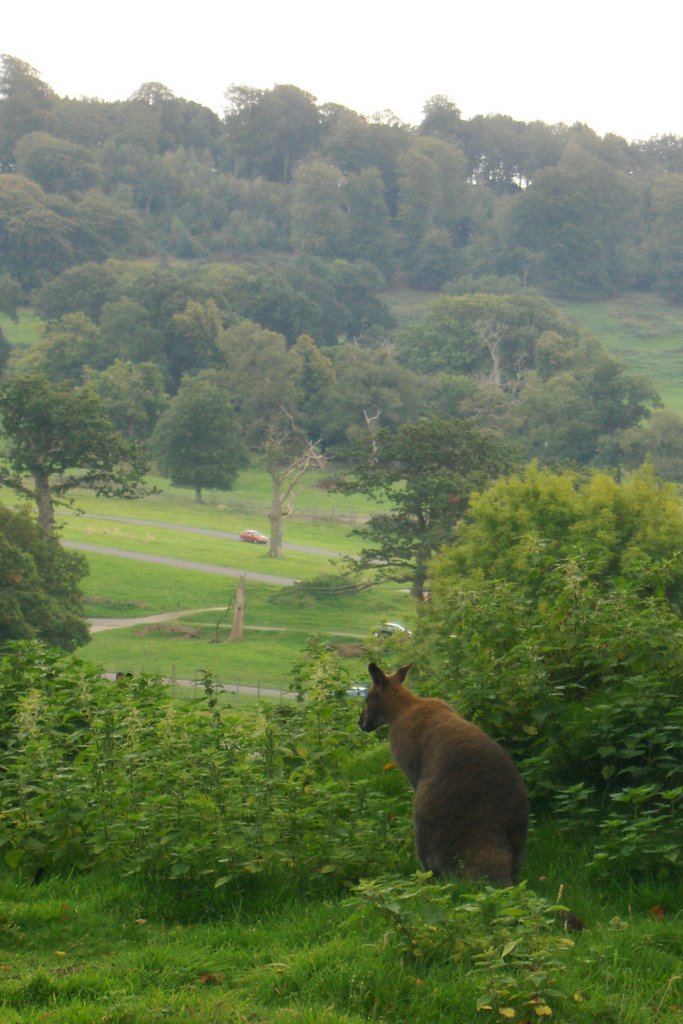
(470, 810)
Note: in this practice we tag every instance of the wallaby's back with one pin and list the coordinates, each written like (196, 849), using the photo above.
(470, 810)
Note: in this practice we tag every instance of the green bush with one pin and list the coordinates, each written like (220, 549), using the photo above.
(119, 773)
(510, 939)
(563, 640)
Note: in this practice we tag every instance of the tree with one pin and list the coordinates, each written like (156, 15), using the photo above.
(288, 455)
(442, 118)
(665, 243)
(191, 339)
(57, 165)
(36, 231)
(40, 597)
(562, 393)
(367, 380)
(197, 440)
(26, 105)
(537, 518)
(312, 375)
(5, 351)
(10, 296)
(370, 235)
(425, 471)
(270, 130)
(658, 440)
(319, 218)
(82, 289)
(56, 435)
(556, 614)
(580, 220)
(257, 375)
(67, 347)
(131, 395)
(481, 335)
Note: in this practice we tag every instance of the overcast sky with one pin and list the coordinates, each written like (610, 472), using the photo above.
(611, 64)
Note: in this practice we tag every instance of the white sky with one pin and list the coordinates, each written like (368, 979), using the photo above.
(611, 64)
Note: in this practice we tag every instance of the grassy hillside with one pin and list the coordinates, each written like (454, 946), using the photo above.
(25, 332)
(644, 331)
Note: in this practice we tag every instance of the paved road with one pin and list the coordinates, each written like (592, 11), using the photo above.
(251, 691)
(179, 563)
(220, 534)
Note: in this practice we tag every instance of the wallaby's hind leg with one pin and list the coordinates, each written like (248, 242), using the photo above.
(429, 849)
(490, 864)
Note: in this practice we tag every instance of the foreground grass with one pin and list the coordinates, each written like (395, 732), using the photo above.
(98, 948)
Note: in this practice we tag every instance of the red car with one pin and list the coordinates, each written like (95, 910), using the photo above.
(253, 537)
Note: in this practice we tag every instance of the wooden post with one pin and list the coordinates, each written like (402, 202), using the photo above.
(237, 631)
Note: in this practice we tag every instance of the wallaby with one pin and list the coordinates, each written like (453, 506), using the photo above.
(470, 810)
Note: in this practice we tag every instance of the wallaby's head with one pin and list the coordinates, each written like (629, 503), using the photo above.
(376, 707)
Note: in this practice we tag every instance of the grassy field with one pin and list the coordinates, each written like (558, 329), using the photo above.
(277, 622)
(25, 332)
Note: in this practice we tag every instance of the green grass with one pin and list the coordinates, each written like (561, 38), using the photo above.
(276, 626)
(276, 629)
(101, 948)
(192, 547)
(25, 333)
(313, 504)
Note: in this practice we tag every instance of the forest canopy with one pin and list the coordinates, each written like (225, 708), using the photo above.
(557, 206)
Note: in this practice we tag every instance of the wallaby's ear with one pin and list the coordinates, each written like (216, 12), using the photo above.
(378, 677)
(401, 673)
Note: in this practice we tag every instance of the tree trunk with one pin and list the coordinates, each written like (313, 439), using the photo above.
(276, 514)
(198, 496)
(237, 631)
(418, 584)
(46, 512)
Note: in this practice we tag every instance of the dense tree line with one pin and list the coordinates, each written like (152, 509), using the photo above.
(137, 333)
(556, 205)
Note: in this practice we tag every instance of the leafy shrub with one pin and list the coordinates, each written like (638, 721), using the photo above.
(556, 616)
(510, 938)
(120, 773)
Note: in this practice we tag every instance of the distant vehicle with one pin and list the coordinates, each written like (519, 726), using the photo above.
(253, 537)
(391, 629)
(357, 690)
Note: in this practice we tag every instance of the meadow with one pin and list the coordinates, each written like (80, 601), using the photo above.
(279, 618)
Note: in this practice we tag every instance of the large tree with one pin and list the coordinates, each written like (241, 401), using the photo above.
(270, 130)
(56, 439)
(26, 105)
(197, 440)
(424, 472)
(40, 596)
(288, 455)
